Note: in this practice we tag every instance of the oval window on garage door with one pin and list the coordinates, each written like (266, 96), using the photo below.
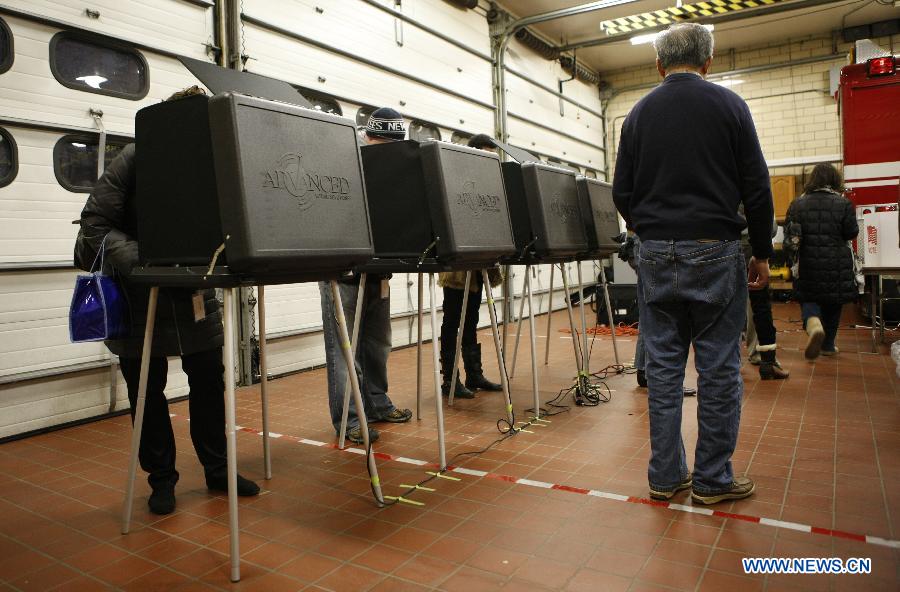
(461, 138)
(75, 160)
(421, 131)
(9, 158)
(7, 52)
(97, 65)
(363, 114)
(322, 103)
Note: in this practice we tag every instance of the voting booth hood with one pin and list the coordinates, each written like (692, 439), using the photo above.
(601, 220)
(546, 215)
(264, 188)
(437, 200)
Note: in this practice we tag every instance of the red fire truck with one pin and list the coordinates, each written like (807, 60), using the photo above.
(870, 117)
(870, 120)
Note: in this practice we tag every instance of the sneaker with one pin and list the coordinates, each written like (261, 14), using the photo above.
(355, 435)
(741, 487)
(667, 495)
(397, 416)
(162, 500)
(816, 335)
(830, 352)
(245, 487)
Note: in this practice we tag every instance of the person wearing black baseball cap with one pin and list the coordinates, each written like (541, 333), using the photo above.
(374, 346)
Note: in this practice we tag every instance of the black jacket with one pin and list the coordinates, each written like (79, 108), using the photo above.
(110, 212)
(688, 157)
(827, 221)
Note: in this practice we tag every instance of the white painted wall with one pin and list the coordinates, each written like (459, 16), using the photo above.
(36, 213)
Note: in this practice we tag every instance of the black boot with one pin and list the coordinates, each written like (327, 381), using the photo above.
(162, 499)
(769, 368)
(475, 379)
(641, 379)
(459, 392)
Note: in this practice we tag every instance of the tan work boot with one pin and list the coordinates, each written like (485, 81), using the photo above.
(741, 487)
(816, 336)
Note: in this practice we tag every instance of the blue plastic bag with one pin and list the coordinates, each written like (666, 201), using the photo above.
(99, 309)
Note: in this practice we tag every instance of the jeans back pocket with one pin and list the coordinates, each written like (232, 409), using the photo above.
(709, 272)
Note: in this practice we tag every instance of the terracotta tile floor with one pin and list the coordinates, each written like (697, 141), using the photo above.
(823, 446)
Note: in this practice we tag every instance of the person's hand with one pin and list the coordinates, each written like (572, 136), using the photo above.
(758, 273)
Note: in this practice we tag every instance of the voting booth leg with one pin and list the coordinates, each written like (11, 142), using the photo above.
(585, 352)
(139, 409)
(534, 364)
(508, 302)
(439, 406)
(609, 312)
(357, 317)
(459, 336)
(419, 350)
(549, 316)
(231, 436)
(357, 396)
(264, 380)
(512, 370)
(495, 331)
(575, 343)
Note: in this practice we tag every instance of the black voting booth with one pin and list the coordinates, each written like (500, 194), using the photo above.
(601, 220)
(237, 190)
(435, 206)
(254, 189)
(546, 215)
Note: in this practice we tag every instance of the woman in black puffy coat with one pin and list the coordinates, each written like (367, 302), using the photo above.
(817, 227)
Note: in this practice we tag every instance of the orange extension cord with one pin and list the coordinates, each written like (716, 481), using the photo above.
(621, 330)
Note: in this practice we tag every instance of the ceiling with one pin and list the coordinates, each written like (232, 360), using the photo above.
(760, 28)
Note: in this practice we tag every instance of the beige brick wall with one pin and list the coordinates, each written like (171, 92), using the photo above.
(795, 115)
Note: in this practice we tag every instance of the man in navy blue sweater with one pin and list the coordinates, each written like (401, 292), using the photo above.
(688, 157)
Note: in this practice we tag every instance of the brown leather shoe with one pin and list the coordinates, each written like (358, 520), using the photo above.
(667, 495)
(741, 487)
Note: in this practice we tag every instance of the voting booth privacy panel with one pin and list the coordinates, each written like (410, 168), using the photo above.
(546, 215)
(601, 220)
(271, 190)
(437, 202)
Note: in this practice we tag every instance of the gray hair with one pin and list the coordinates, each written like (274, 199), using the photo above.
(684, 44)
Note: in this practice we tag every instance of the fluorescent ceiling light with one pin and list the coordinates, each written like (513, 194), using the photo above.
(79, 145)
(92, 81)
(728, 82)
(651, 37)
(641, 39)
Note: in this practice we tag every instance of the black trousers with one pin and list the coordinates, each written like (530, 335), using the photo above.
(761, 306)
(206, 379)
(452, 310)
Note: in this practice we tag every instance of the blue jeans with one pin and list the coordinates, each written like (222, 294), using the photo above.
(693, 292)
(374, 345)
(640, 356)
(829, 314)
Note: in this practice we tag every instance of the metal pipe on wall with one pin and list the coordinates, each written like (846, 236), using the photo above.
(500, 44)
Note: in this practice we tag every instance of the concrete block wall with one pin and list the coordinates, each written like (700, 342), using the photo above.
(796, 116)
